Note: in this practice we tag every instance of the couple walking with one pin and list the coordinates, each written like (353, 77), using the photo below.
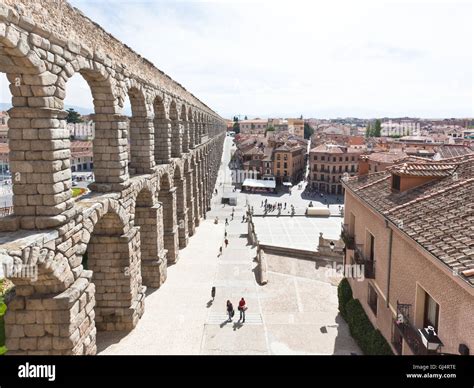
(242, 308)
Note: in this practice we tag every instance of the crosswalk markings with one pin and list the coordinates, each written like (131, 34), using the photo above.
(219, 318)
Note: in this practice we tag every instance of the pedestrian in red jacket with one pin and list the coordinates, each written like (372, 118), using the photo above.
(242, 308)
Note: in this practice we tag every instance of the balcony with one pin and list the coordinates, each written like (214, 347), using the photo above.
(346, 236)
(403, 329)
(361, 259)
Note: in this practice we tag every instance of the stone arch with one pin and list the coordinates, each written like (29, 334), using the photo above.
(33, 95)
(110, 153)
(113, 256)
(176, 131)
(180, 183)
(167, 198)
(162, 132)
(140, 132)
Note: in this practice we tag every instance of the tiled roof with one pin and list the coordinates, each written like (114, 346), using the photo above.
(449, 151)
(424, 169)
(387, 157)
(438, 215)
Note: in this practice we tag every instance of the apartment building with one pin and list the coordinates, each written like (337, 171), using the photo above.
(289, 163)
(328, 163)
(410, 228)
(253, 127)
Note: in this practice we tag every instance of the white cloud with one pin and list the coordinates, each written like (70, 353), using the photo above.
(317, 58)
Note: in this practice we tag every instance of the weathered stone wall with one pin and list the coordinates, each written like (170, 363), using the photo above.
(94, 256)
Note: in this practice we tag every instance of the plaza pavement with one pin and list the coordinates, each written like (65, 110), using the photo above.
(295, 313)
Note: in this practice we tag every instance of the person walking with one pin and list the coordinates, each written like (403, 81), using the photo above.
(213, 293)
(226, 242)
(242, 308)
(225, 234)
(220, 251)
(230, 311)
(226, 222)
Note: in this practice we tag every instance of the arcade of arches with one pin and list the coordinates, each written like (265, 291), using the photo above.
(93, 257)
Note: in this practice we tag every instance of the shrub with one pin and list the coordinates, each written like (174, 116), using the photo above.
(344, 294)
(369, 339)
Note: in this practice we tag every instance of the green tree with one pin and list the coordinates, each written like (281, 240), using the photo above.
(236, 127)
(377, 128)
(73, 116)
(308, 131)
(269, 129)
(245, 118)
(368, 131)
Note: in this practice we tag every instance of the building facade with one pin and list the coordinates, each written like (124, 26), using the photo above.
(409, 229)
(328, 163)
(289, 163)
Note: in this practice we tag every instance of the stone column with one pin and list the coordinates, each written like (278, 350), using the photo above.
(162, 140)
(192, 132)
(190, 201)
(53, 324)
(177, 138)
(153, 255)
(110, 153)
(204, 191)
(40, 166)
(186, 136)
(181, 212)
(142, 145)
(196, 191)
(170, 228)
(120, 296)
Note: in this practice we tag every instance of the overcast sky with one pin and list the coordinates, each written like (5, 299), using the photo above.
(316, 58)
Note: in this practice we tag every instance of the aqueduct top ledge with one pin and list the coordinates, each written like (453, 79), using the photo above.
(66, 26)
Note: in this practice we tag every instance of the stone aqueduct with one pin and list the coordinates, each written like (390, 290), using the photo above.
(140, 211)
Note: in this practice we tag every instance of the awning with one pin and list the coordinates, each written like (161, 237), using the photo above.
(287, 184)
(259, 183)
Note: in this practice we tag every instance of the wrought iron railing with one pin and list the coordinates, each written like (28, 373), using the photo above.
(408, 332)
(361, 259)
(348, 239)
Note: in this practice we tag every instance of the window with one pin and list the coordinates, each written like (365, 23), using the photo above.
(431, 314)
(352, 159)
(285, 165)
(278, 156)
(340, 158)
(396, 182)
(334, 159)
(372, 299)
(315, 158)
(323, 158)
(347, 158)
(371, 253)
(346, 168)
(340, 168)
(278, 164)
(322, 177)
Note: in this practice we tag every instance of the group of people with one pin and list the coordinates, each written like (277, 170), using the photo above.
(242, 308)
(230, 307)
